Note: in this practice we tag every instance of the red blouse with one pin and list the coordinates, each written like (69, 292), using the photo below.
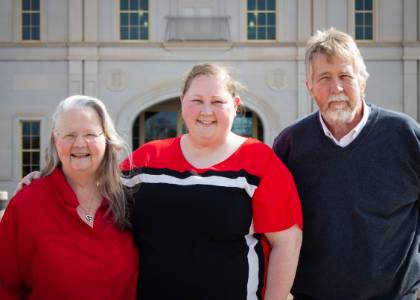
(48, 252)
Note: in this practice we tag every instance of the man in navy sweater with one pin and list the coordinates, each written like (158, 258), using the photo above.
(357, 169)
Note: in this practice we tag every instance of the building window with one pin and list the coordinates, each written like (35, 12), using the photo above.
(31, 140)
(261, 19)
(31, 20)
(134, 19)
(363, 19)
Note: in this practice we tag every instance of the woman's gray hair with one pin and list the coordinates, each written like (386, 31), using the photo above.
(335, 43)
(108, 174)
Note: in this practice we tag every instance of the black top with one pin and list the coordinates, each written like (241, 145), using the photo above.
(360, 208)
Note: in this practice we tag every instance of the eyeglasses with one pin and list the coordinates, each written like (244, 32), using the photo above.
(88, 137)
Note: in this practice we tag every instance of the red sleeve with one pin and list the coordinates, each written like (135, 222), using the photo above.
(275, 204)
(11, 285)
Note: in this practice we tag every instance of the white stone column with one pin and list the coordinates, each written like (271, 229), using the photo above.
(411, 58)
(75, 77)
(304, 20)
(410, 103)
(91, 21)
(304, 105)
(75, 20)
(410, 20)
(91, 78)
(319, 15)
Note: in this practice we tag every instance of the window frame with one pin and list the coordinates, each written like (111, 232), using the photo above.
(118, 7)
(353, 18)
(20, 22)
(30, 150)
(245, 23)
(17, 141)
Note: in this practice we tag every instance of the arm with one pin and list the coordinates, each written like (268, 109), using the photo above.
(282, 264)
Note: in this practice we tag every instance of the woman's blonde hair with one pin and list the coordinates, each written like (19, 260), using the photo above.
(108, 174)
(212, 70)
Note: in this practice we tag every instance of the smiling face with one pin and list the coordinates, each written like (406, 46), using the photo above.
(337, 89)
(79, 141)
(208, 110)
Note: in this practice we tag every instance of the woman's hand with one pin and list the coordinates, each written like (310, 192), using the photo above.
(27, 180)
(282, 264)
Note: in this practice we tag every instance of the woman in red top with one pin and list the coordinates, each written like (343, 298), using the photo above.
(63, 236)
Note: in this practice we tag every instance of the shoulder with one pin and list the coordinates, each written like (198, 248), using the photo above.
(258, 155)
(299, 126)
(300, 130)
(396, 121)
(151, 151)
(30, 197)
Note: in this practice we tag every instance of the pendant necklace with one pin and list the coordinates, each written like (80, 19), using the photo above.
(88, 216)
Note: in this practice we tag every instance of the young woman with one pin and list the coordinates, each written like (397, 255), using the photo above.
(216, 215)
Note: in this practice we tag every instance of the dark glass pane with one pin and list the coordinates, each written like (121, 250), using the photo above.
(35, 168)
(136, 133)
(368, 19)
(144, 33)
(26, 5)
(144, 18)
(134, 33)
(35, 142)
(123, 4)
(35, 128)
(26, 170)
(261, 19)
(271, 19)
(26, 19)
(261, 33)
(26, 158)
(159, 125)
(252, 4)
(358, 4)
(359, 19)
(124, 19)
(35, 158)
(252, 19)
(26, 142)
(134, 19)
(35, 19)
(35, 5)
(271, 33)
(134, 5)
(124, 33)
(242, 125)
(35, 33)
(144, 4)
(368, 4)
(359, 33)
(252, 33)
(26, 33)
(260, 130)
(261, 4)
(26, 128)
(271, 4)
(368, 33)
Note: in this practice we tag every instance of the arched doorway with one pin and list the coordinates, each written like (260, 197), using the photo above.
(164, 120)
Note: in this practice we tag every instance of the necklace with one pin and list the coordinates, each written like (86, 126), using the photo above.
(86, 214)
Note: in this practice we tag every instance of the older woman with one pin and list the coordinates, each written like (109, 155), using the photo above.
(62, 237)
(210, 204)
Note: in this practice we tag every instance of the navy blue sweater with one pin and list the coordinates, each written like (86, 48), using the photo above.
(360, 207)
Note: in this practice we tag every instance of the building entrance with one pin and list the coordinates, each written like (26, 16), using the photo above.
(164, 120)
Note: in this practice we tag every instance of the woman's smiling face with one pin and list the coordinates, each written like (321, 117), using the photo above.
(208, 109)
(79, 140)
